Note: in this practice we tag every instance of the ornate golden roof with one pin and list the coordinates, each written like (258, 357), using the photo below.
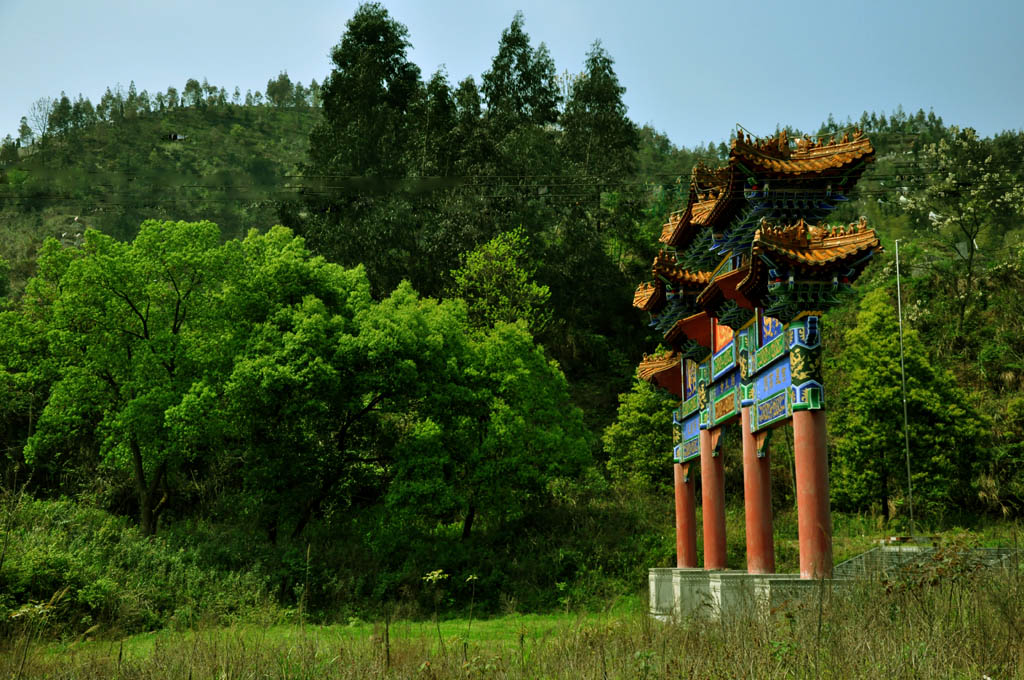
(663, 370)
(806, 156)
(811, 245)
(649, 296)
(666, 267)
(814, 249)
(713, 200)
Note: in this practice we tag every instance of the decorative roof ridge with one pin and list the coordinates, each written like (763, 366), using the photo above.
(666, 355)
(782, 148)
(667, 267)
(663, 371)
(802, 234)
(711, 189)
(675, 218)
(649, 296)
(724, 286)
(704, 178)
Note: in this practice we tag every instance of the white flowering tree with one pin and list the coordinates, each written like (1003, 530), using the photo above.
(965, 202)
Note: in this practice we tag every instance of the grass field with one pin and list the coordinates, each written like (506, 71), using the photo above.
(950, 619)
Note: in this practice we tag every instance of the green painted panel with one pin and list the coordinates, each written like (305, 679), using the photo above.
(689, 406)
(725, 408)
(724, 360)
(772, 351)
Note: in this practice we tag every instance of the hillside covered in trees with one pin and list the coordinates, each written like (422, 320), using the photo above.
(382, 326)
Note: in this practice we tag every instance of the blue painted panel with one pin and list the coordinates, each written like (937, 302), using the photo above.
(769, 411)
(723, 360)
(689, 379)
(691, 427)
(770, 329)
(689, 448)
(774, 379)
(725, 384)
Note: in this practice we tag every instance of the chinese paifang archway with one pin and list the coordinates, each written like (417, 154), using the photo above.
(746, 271)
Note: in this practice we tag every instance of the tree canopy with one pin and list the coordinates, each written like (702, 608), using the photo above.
(868, 464)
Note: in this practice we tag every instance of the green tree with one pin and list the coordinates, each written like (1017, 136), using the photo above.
(25, 135)
(8, 151)
(868, 467)
(27, 366)
(366, 98)
(965, 203)
(491, 437)
(497, 282)
(435, 120)
(521, 85)
(597, 136)
(638, 445)
(5, 279)
(60, 117)
(474, 147)
(311, 365)
(280, 92)
(122, 323)
(192, 95)
(354, 210)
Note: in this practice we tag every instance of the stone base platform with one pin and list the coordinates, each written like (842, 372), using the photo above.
(681, 594)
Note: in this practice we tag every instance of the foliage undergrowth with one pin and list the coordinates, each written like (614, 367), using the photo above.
(905, 627)
(69, 569)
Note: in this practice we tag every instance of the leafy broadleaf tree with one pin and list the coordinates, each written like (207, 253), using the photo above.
(496, 281)
(122, 322)
(868, 467)
(316, 382)
(638, 445)
(490, 439)
(964, 204)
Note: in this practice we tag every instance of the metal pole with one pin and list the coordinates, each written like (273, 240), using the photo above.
(903, 380)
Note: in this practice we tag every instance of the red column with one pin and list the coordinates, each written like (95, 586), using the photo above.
(813, 516)
(686, 518)
(712, 487)
(757, 500)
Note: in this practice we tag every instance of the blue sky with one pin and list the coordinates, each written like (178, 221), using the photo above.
(692, 70)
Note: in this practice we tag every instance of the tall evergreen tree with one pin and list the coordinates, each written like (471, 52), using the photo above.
(192, 95)
(354, 212)
(597, 135)
(868, 459)
(280, 90)
(60, 117)
(432, 149)
(521, 85)
(25, 135)
(366, 99)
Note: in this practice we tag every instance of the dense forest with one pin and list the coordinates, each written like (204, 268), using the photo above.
(305, 346)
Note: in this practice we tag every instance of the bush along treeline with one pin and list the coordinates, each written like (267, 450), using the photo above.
(430, 365)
